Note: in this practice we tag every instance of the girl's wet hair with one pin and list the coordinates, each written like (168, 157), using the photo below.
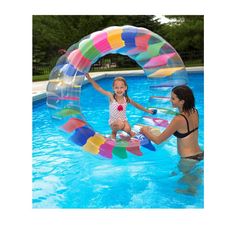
(183, 92)
(126, 91)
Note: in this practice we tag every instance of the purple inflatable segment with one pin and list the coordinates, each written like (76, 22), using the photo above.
(105, 149)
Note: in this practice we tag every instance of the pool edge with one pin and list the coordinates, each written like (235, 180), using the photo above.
(39, 95)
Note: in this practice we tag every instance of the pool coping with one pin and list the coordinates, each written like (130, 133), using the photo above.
(39, 88)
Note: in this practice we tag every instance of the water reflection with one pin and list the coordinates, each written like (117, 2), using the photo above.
(191, 177)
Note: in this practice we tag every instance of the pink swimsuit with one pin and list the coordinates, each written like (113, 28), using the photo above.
(117, 111)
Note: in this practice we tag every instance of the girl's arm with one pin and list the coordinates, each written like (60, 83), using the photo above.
(172, 127)
(140, 107)
(97, 87)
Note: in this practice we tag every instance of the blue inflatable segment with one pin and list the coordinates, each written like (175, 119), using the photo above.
(145, 142)
(81, 135)
(70, 70)
(149, 146)
(129, 36)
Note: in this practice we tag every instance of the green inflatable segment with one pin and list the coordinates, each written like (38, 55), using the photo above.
(120, 149)
(88, 50)
(67, 112)
(152, 51)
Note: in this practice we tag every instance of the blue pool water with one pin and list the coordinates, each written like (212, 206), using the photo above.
(64, 176)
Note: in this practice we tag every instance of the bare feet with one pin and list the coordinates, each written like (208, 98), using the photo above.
(132, 134)
(113, 135)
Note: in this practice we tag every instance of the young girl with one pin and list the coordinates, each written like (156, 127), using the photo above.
(184, 126)
(118, 103)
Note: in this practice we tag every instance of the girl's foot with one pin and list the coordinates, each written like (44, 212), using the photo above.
(132, 134)
(113, 136)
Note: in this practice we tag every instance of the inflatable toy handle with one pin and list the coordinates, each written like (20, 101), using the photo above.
(154, 112)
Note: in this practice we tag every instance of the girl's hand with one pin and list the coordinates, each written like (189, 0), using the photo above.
(88, 76)
(152, 111)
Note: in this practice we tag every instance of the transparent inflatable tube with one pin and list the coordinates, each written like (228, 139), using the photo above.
(152, 53)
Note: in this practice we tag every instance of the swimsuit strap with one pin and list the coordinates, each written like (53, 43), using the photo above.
(186, 121)
(125, 100)
(122, 103)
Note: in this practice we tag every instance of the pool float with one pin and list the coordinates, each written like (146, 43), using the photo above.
(159, 60)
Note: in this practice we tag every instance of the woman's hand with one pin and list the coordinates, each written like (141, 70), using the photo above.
(145, 130)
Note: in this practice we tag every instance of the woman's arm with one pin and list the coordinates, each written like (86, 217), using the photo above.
(172, 127)
(97, 87)
(140, 107)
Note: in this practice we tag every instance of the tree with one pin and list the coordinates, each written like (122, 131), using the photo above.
(186, 33)
(53, 33)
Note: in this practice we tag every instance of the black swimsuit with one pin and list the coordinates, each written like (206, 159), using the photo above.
(183, 135)
(197, 157)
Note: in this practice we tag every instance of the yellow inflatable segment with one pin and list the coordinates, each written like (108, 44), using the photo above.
(93, 143)
(165, 72)
(114, 38)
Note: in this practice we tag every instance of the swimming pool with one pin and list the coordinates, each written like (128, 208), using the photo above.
(64, 176)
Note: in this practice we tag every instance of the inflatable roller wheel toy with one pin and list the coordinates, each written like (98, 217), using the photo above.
(158, 59)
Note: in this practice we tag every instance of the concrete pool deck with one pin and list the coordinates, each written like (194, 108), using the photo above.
(39, 88)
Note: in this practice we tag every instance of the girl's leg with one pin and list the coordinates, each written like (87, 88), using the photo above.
(113, 134)
(115, 126)
(128, 130)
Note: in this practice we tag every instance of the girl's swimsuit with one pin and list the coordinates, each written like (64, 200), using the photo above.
(117, 111)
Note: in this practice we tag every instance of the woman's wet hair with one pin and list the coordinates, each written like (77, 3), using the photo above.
(183, 92)
(126, 91)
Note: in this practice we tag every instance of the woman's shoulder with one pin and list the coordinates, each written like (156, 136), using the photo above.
(176, 123)
(179, 119)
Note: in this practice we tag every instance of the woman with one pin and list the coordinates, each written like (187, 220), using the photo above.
(184, 126)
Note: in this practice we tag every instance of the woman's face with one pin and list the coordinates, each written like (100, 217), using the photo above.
(176, 102)
(119, 88)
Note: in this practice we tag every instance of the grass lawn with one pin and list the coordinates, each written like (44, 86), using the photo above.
(40, 77)
(187, 64)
